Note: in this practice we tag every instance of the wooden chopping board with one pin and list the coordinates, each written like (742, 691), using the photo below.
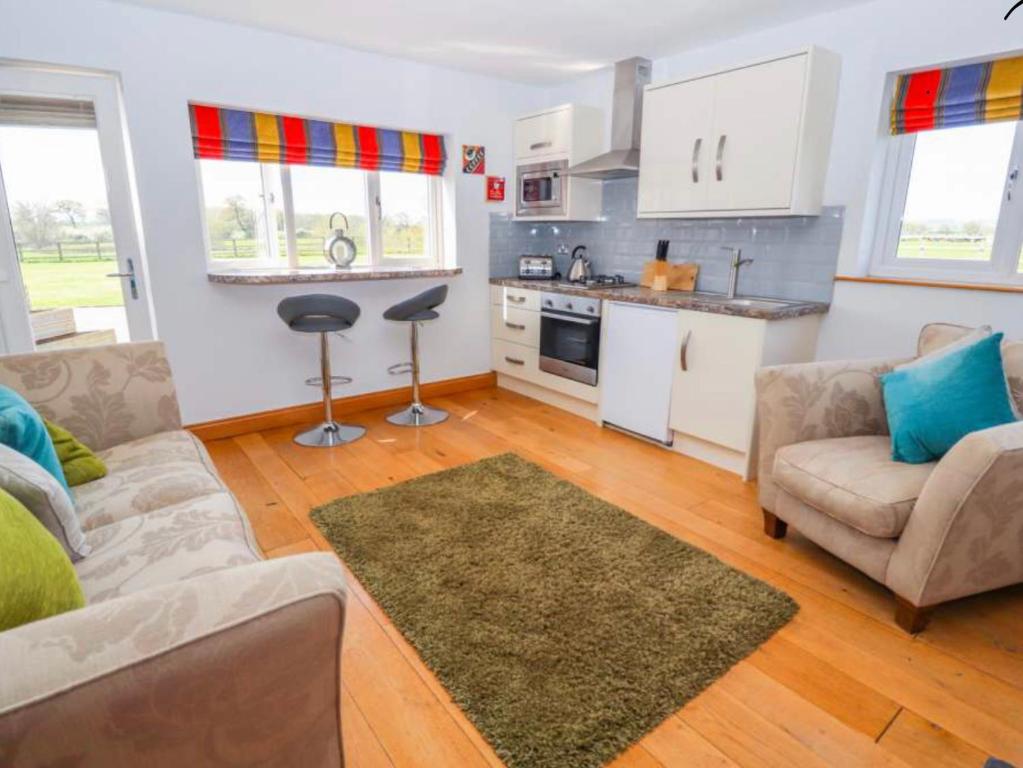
(680, 277)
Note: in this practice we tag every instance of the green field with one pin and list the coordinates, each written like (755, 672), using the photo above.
(913, 248)
(71, 284)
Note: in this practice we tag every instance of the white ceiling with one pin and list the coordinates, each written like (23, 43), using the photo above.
(537, 41)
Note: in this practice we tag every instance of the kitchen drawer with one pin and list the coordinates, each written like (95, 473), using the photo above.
(545, 134)
(519, 298)
(513, 324)
(516, 359)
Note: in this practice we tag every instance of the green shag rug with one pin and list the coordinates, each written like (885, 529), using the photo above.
(563, 626)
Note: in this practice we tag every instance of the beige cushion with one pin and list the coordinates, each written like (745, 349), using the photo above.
(166, 545)
(934, 336)
(44, 497)
(854, 481)
(144, 475)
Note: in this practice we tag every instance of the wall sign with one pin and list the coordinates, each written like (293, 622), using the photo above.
(474, 159)
(495, 188)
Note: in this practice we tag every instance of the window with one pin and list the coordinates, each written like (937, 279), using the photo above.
(951, 204)
(265, 214)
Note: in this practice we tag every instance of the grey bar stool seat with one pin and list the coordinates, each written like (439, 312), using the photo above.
(323, 313)
(416, 310)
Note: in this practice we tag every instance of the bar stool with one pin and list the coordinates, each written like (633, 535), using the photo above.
(322, 313)
(415, 311)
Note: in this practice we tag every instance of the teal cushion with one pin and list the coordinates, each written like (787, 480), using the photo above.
(934, 402)
(22, 429)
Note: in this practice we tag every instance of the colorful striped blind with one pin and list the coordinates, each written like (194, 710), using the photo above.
(235, 134)
(946, 98)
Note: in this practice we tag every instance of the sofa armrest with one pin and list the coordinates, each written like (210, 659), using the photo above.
(240, 666)
(814, 401)
(965, 533)
(105, 395)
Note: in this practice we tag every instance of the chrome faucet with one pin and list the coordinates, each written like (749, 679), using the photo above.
(733, 275)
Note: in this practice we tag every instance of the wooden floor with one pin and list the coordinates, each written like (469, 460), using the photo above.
(839, 686)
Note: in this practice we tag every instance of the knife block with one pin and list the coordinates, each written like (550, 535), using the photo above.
(663, 276)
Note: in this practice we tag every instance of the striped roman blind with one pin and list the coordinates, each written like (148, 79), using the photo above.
(965, 95)
(234, 134)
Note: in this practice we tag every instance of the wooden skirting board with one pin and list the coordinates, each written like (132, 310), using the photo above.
(310, 412)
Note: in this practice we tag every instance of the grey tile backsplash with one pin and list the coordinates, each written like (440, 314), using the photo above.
(793, 257)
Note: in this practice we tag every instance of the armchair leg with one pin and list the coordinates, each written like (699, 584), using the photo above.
(774, 527)
(910, 617)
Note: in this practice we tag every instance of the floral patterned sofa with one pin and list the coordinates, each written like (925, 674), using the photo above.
(929, 532)
(192, 649)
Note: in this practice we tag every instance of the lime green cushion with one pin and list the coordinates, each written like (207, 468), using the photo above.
(36, 577)
(80, 464)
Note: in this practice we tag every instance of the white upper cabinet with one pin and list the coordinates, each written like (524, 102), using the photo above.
(750, 141)
(569, 131)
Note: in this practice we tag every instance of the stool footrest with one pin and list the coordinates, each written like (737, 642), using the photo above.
(399, 369)
(317, 381)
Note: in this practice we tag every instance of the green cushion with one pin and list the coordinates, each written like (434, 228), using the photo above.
(22, 429)
(36, 577)
(79, 463)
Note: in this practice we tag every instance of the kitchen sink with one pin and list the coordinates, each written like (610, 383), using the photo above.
(745, 301)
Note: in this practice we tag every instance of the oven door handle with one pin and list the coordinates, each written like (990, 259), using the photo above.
(571, 319)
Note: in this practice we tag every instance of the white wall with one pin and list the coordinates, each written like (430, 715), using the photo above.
(873, 40)
(230, 353)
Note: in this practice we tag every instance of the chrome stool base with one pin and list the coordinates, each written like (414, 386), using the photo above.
(418, 415)
(329, 434)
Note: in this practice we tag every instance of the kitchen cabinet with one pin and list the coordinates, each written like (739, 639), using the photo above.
(515, 345)
(713, 397)
(750, 141)
(557, 138)
(636, 376)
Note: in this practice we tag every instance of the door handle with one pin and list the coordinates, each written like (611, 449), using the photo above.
(515, 326)
(720, 157)
(1013, 177)
(697, 145)
(540, 145)
(682, 351)
(514, 360)
(130, 275)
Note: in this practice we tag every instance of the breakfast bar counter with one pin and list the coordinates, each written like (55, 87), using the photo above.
(271, 276)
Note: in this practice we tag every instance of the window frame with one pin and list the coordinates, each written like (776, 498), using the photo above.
(1004, 265)
(433, 238)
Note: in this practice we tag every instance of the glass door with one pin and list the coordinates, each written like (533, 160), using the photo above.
(71, 272)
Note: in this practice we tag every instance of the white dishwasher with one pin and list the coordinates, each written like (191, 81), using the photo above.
(637, 361)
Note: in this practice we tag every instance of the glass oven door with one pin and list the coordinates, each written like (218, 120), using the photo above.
(570, 345)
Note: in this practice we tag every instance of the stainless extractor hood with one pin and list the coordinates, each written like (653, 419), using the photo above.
(626, 120)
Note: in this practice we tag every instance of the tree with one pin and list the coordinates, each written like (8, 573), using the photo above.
(72, 210)
(237, 210)
(34, 223)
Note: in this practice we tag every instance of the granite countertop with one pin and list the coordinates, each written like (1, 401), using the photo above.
(322, 274)
(771, 309)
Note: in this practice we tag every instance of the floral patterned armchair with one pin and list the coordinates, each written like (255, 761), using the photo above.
(929, 532)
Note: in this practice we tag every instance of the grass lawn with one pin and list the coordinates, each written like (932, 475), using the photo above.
(72, 284)
(909, 248)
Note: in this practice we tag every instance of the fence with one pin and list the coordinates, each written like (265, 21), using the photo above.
(74, 250)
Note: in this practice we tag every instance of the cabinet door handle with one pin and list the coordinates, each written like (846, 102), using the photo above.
(697, 145)
(540, 145)
(682, 351)
(514, 360)
(720, 158)
(517, 299)
(515, 326)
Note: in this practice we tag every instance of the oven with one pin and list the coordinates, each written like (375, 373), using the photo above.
(570, 337)
(541, 189)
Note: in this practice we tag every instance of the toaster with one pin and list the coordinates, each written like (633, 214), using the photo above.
(536, 268)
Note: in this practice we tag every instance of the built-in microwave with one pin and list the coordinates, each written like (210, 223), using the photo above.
(541, 189)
